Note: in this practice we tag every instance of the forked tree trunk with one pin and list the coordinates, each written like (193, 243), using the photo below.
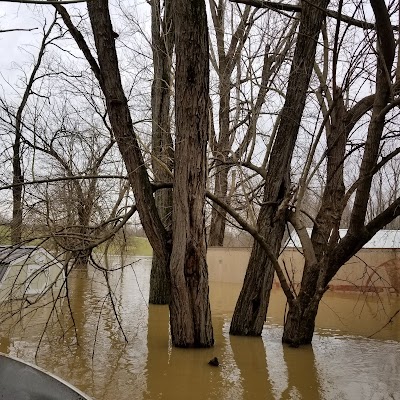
(190, 313)
(300, 320)
(300, 323)
(251, 307)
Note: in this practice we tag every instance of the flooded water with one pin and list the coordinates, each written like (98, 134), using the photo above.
(92, 354)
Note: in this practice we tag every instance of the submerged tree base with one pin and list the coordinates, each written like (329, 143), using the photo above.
(300, 323)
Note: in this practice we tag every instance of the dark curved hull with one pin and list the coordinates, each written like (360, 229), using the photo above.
(22, 381)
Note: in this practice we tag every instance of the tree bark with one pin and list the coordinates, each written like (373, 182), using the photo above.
(190, 313)
(162, 146)
(218, 215)
(300, 323)
(251, 307)
(302, 311)
(332, 205)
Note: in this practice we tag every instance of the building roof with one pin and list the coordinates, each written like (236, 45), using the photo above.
(10, 253)
(384, 239)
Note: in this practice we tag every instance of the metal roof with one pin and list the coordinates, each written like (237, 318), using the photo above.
(384, 239)
(10, 253)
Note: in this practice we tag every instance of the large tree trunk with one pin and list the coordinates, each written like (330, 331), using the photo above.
(302, 311)
(190, 314)
(251, 307)
(250, 310)
(162, 146)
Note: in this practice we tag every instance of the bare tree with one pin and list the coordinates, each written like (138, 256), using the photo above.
(251, 307)
(246, 69)
(14, 120)
(108, 75)
(221, 146)
(324, 252)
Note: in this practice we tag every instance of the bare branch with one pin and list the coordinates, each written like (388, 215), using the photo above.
(43, 2)
(296, 8)
(17, 29)
(62, 178)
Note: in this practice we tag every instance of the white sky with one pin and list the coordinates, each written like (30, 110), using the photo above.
(17, 16)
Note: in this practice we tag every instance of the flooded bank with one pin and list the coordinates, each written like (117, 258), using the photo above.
(92, 354)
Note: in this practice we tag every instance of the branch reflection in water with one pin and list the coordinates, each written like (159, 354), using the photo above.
(92, 354)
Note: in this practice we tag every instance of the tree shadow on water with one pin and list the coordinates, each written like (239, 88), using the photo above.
(250, 358)
(303, 379)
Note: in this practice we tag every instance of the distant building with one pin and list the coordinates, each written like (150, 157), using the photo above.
(376, 267)
(28, 271)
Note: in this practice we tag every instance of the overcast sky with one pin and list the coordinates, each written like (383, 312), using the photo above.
(17, 16)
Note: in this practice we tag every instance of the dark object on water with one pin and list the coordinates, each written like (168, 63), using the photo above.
(23, 381)
(214, 362)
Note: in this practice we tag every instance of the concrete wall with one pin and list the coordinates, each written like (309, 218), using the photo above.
(369, 270)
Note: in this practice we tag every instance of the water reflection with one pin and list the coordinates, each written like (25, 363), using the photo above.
(92, 353)
(302, 382)
(250, 360)
(158, 355)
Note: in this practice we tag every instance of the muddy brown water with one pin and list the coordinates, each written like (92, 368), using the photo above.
(342, 363)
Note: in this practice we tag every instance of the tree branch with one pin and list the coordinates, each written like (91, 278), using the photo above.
(261, 240)
(297, 8)
(17, 29)
(61, 178)
(43, 1)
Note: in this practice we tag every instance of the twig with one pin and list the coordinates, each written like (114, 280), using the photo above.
(387, 323)
(17, 29)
